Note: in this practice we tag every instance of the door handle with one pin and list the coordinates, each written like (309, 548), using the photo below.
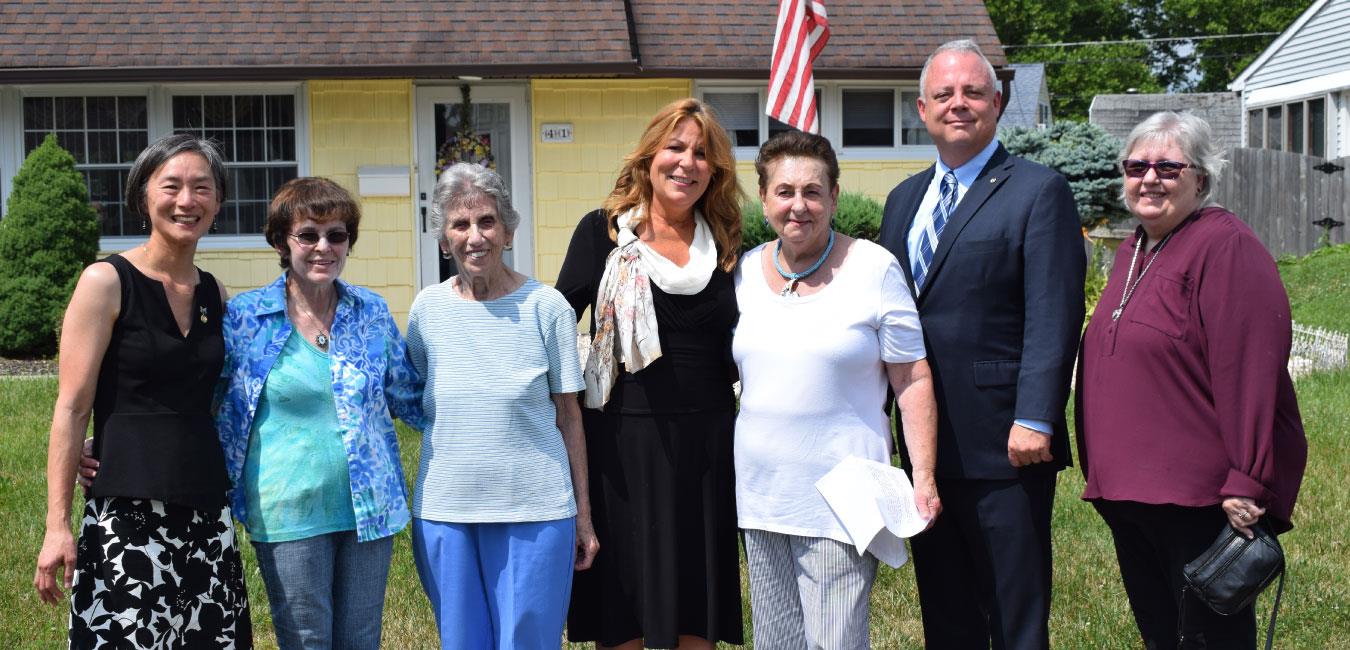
(424, 218)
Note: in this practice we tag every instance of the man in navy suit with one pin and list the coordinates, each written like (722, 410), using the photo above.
(992, 246)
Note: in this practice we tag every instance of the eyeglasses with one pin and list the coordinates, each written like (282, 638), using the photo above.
(1166, 169)
(311, 238)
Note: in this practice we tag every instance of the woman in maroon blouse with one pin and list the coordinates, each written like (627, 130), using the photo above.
(1186, 414)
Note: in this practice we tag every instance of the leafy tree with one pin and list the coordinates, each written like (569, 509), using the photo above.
(1074, 74)
(1210, 65)
(48, 236)
(1085, 154)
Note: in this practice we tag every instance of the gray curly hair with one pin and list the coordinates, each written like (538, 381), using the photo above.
(463, 183)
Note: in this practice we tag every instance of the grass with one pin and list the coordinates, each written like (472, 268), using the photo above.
(1319, 287)
(1090, 610)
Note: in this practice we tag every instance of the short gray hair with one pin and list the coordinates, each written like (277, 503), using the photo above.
(1191, 134)
(463, 183)
(964, 45)
(161, 151)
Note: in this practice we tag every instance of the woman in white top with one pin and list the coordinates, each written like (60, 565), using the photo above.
(827, 324)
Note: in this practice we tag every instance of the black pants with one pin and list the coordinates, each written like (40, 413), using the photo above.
(984, 569)
(1153, 542)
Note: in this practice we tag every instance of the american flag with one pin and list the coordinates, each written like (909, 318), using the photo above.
(802, 32)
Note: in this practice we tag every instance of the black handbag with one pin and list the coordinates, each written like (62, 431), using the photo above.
(1233, 571)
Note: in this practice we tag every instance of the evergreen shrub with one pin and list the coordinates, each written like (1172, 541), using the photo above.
(857, 215)
(1086, 155)
(49, 234)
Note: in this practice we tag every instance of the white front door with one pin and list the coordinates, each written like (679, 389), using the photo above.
(499, 118)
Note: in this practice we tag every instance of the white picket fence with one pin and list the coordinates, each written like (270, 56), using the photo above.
(1317, 349)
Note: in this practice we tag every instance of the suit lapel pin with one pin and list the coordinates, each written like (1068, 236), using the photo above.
(993, 180)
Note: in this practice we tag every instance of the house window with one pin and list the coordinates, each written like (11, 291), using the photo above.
(776, 127)
(868, 118)
(1294, 136)
(852, 117)
(738, 112)
(1298, 127)
(1317, 127)
(1274, 128)
(257, 135)
(912, 128)
(104, 134)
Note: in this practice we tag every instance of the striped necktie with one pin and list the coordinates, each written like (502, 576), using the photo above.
(928, 244)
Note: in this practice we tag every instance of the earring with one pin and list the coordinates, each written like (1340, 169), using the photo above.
(445, 255)
(507, 247)
(766, 223)
(213, 230)
(145, 225)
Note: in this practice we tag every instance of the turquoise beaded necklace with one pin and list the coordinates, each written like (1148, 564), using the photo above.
(790, 289)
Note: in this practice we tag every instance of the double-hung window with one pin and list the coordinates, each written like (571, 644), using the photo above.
(256, 133)
(104, 133)
(858, 119)
(258, 129)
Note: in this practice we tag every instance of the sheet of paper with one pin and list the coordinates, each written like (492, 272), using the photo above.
(875, 504)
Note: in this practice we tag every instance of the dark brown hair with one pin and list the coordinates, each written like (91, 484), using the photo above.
(309, 197)
(796, 144)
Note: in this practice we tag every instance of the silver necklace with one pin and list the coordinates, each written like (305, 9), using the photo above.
(1129, 288)
(321, 338)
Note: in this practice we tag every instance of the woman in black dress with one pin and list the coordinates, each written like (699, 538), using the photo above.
(654, 266)
(157, 564)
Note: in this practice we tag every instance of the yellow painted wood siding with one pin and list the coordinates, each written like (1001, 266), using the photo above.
(352, 124)
(571, 179)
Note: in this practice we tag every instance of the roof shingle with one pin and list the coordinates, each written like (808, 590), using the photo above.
(51, 40)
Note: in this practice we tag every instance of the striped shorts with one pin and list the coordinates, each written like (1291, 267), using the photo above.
(808, 592)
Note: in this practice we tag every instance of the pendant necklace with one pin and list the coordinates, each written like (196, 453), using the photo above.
(790, 289)
(321, 339)
(1128, 290)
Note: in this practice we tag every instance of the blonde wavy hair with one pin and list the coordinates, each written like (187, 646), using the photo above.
(720, 203)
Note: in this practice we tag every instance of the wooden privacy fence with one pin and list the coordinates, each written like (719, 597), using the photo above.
(1280, 195)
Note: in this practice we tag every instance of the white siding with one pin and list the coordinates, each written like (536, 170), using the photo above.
(1320, 47)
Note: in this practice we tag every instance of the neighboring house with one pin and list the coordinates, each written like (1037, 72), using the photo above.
(1029, 100)
(367, 92)
(1118, 114)
(1296, 94)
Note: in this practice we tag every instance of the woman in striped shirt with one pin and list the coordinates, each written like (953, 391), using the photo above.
(500, 512)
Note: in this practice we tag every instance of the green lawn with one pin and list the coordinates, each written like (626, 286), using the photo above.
(1319, 287)
(1090, 610)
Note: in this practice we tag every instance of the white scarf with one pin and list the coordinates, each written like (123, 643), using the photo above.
(625, 321)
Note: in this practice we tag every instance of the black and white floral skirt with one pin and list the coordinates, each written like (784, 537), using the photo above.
(150, 574)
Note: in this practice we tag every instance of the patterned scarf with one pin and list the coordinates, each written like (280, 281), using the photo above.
(625, 321)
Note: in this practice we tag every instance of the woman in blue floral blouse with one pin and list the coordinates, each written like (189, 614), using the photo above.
(314, 366)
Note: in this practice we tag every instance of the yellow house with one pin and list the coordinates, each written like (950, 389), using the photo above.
(370, 94)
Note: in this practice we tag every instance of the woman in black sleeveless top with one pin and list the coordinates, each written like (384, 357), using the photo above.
(141, 349)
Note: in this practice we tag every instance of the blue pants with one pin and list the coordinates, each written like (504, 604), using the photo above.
(497, 585)
(326, 591)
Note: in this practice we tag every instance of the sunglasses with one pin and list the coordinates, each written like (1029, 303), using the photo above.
(1166, 169)
(311, 238)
